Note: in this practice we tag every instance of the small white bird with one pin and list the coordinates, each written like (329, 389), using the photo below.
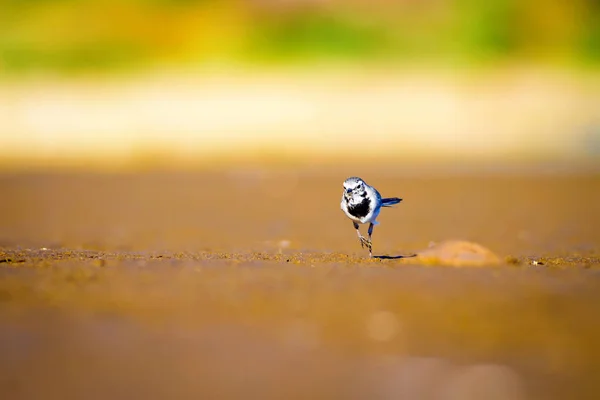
(362, 203)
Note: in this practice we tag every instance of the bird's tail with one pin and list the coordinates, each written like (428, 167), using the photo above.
(390, 201)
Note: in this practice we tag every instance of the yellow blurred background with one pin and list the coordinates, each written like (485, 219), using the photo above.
(190, 83)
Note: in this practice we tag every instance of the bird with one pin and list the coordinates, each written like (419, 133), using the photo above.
(362, 204)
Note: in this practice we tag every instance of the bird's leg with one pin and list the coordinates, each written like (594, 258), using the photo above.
(360, 237)
(370, 232)
(363, 240)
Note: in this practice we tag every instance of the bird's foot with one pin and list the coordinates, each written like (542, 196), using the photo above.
(366, 242)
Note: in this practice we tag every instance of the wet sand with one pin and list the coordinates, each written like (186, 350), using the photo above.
(252, 284)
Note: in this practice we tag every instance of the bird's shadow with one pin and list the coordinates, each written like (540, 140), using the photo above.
(394, 257)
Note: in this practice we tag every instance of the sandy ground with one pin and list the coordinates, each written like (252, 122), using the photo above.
(252, 284)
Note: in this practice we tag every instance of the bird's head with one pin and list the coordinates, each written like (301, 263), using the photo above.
(353, 186)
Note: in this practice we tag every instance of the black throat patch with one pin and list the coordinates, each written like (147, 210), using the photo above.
(361, 209)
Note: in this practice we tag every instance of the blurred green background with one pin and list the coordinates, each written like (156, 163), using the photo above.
(68, 36)
(184, 80)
